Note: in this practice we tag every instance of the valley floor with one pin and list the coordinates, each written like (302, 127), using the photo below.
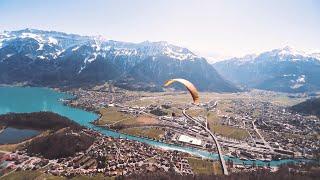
(249, 126)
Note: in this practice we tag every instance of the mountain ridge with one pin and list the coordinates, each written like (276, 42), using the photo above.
(284, 70)
(54, 58)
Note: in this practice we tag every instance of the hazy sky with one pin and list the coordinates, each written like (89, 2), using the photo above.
(214, 29)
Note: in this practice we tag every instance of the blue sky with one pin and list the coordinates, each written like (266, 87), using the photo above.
(214, 29)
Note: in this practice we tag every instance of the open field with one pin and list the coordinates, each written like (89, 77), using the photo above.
(139, 121)
(9, 147)
(142, 102)
(286, 101)
(197, 112)
(213, 118)
(176, 98)
(224, 107)
(146, 120)
(183, 97)
(204, 166)
(96, 177)
(112, 115)
(224, 130)
(230, 132)
(150, 132)
(31, 175)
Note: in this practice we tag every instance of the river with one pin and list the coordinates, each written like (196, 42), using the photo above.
(33, 99)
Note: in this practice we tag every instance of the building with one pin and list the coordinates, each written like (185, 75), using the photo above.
(190, 140)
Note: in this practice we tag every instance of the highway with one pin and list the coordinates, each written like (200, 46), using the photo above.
(223, 164)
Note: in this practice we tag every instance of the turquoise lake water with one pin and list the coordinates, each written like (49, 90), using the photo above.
(31, 99)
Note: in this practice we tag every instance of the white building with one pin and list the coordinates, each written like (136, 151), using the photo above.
(188, 139)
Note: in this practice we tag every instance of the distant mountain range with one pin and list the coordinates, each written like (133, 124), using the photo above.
(49, 58)
(285, 70)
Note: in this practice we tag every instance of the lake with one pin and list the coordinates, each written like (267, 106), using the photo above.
(12, 135)
(31, 99)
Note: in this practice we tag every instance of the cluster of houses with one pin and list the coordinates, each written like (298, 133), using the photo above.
(288, 133)
(127, 157)
(94, 100)
(107, 155)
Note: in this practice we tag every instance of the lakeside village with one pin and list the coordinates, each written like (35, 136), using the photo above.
(116, 156)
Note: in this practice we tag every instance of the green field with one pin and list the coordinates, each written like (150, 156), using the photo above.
(197, 112)
(96, 177)
(228, 131)
(212, 118)
(143, 102)
(9, 147)
(204, 166)
(150, 132)
(112, 115)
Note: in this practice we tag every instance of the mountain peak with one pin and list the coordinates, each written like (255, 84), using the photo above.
(64, 41)
(158, 43)
(167, 49)
(94, 59)
(288, 48)
(290, 53)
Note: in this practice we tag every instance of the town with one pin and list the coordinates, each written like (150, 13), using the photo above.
(107, 155)
(262, 130)
(239, 128)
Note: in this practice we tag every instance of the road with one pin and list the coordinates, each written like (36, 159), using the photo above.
(223, 164)
(261, 137)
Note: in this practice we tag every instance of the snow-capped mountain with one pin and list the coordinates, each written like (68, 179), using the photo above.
(55, 58)
(284, 69)
(38, 44)
(34, 43)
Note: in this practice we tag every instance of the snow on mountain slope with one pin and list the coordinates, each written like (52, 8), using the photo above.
(284, 69)
(315, 55)
(50, 57)
(49, 44)
(101, 46)
(290, 54)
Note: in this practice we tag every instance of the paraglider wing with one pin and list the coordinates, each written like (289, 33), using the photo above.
(191, 88)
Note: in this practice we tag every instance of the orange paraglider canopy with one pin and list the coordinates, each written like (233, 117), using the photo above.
(191, 88)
